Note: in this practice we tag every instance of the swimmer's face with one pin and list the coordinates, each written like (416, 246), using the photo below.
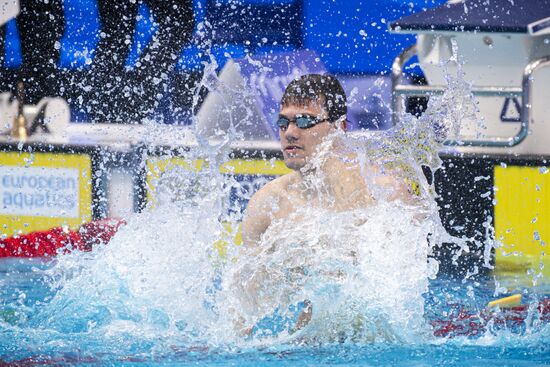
(299, 145)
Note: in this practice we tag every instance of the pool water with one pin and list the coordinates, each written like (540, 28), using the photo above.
(24, 340)
(159, 294)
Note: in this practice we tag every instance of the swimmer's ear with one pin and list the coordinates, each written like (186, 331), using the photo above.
(342, 123)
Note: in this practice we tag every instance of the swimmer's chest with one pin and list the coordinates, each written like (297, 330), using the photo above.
(297, 205)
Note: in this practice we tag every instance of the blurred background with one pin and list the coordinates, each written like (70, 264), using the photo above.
(126, 61)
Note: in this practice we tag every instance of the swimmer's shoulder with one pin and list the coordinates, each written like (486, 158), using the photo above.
(261, 208)
(396, 179)
(276, 188)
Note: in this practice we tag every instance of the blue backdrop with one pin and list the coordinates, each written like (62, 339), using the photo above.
(350, 36)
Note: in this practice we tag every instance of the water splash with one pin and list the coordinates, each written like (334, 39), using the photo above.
(161, 286)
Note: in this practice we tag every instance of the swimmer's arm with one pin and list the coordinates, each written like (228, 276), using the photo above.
(257, 217)
(305, 316)
(404, 192)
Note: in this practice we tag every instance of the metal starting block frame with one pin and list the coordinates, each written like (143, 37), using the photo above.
(400, 91)
(503, 46)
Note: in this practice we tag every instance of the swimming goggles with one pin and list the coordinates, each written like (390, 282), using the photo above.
(302, 121)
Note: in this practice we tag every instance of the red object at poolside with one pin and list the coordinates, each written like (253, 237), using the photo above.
(464, 323)
(58, 240)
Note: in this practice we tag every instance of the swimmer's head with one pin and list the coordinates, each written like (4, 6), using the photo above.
(312, 107)
(324, 90)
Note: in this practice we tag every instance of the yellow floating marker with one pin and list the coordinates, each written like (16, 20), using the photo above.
(511, 301)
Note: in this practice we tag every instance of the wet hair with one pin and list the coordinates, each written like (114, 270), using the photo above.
(312, 88)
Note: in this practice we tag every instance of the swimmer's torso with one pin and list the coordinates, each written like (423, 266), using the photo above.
(339, 187)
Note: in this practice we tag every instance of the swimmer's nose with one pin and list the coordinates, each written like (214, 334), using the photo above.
(292, 132)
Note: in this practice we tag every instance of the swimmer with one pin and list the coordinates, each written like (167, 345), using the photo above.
(312, 110)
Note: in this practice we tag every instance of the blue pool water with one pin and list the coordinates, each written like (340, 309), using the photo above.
(27, 339)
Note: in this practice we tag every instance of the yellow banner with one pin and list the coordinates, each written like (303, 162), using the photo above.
(157, 166)
(522, 220)
(39, 191)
